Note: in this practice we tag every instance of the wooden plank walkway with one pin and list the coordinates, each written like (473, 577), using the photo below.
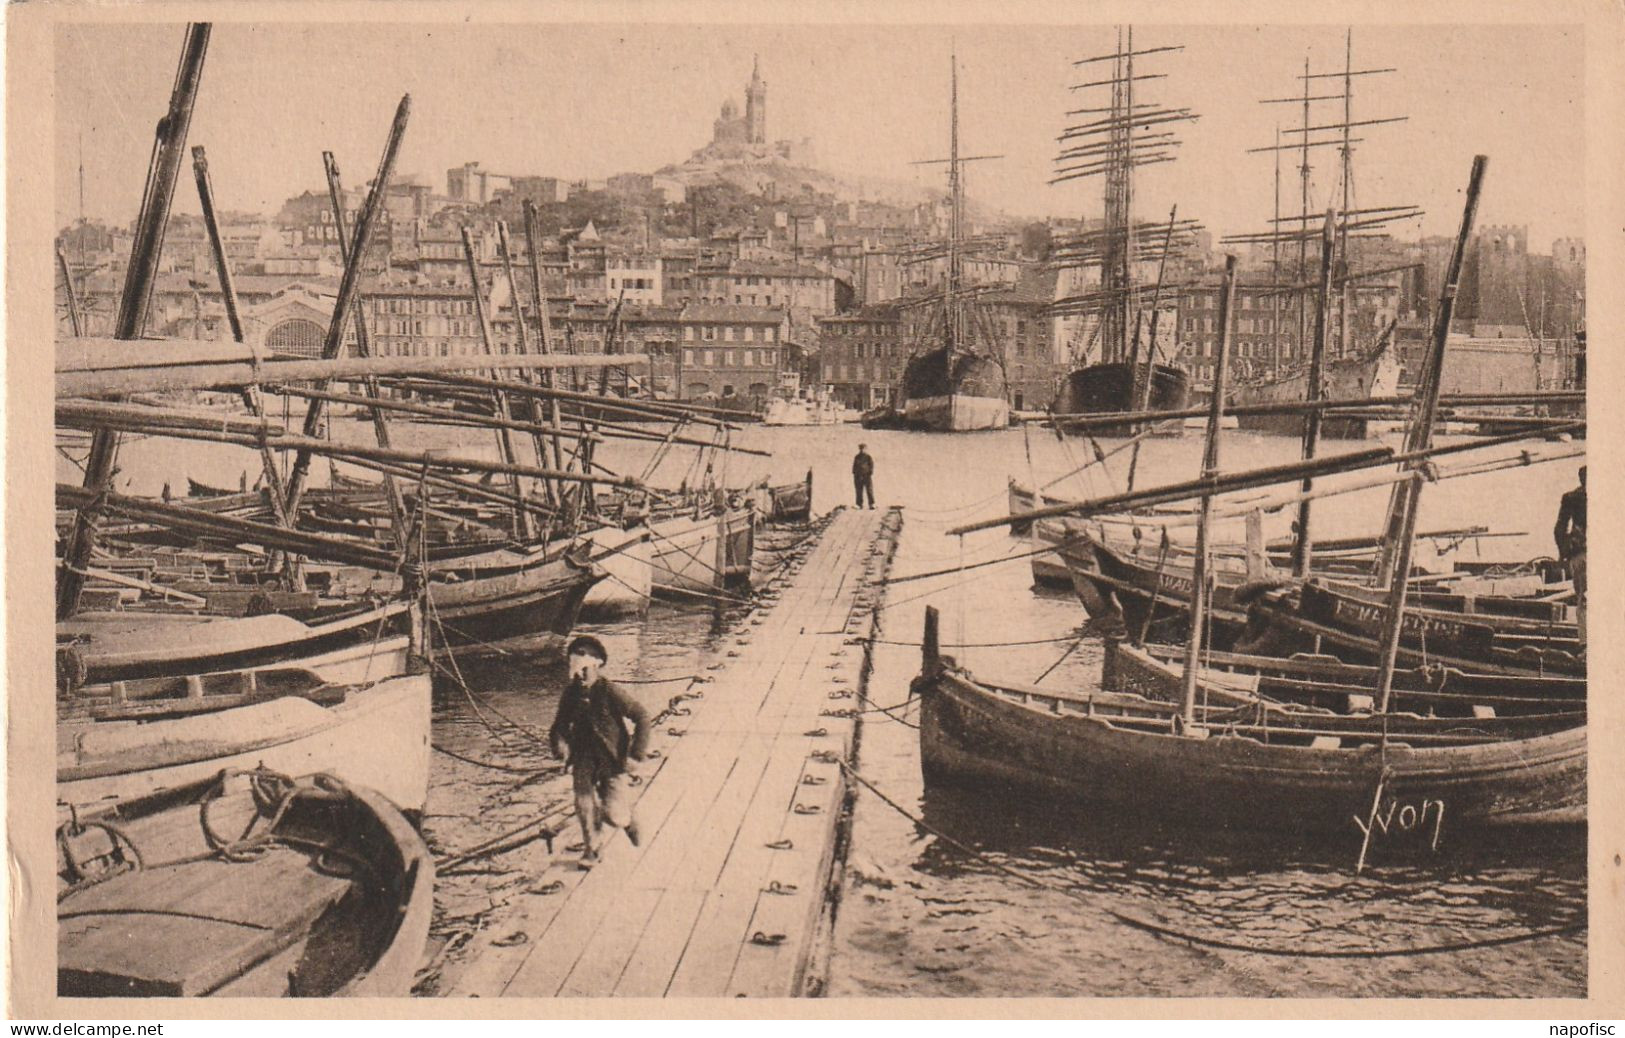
(739, 823)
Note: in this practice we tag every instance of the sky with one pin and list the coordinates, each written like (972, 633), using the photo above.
(579, 101)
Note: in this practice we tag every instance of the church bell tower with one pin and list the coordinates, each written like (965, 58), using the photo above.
(756, 105)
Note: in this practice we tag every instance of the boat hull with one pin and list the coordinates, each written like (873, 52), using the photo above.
(1039, 753)
(377, 737)
(1104, 388)
(626, 557)
(701, 555)
(956, 412)
(365, 646)
(337, 901)
(1352, 378)
(534, 603)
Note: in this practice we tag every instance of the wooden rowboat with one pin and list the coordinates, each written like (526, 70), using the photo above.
(272, 887)
(790, 503)
(1153, 671)
(127, 741)
(703, 554)
(354, 642)
(1135, 755)
(1347, 624)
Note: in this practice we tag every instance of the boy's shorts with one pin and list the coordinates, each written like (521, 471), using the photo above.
(618, 798)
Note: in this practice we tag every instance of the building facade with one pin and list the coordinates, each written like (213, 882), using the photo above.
(731, 352)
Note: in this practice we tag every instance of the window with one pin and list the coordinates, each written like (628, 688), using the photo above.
(769, 355)
(710, 358)
(688, 333)
(728, 357)
(728, 333)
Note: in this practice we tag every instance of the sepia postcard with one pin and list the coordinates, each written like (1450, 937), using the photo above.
(813, 510)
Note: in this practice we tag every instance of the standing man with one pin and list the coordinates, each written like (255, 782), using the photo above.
(1570, 534)
(589, 733)
(863, 475)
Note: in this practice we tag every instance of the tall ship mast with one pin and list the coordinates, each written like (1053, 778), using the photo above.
(1120, 366)
(1352, 369)
(954, 386)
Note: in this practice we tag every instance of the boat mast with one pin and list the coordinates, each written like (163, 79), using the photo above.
(363, 346)
(951, 282)
(349, 290)
(1343, 310)
(1406, 498)
(1275, 268)
(1425, 403)
(499, 399)
(1210, 470)
(228, 291)
(1302, 546)
(145, 252)
(1303, 207)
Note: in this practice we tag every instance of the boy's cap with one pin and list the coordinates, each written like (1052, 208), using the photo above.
(587, 645)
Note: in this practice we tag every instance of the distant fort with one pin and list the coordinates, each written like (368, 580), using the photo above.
(735, 136)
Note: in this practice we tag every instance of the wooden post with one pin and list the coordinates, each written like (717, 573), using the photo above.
(363, 346)
(349, 289)
(73, 297)
(499, 399)
(1406, 500)
(1303, 546)
(930, 645)
(1210, 469)
(132, 313)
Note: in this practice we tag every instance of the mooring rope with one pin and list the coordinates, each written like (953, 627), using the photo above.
(1173, 933)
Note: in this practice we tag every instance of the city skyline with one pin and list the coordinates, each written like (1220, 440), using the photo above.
(586, 101)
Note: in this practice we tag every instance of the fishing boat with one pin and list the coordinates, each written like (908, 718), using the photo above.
(1347, 621)
(1374, 373)
(789, 503)
(1325, 682)
(701, 553)
(1237, 766)
(486, 604)
(626, 558)
(129, 739)
(1049, 568)
(351, 641)
(883, 417)
(274, 887)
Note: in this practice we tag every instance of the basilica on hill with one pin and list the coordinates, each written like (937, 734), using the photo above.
(735, 136)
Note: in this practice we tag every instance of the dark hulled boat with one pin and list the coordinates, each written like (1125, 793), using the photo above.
(947, 390)
(1107, 387)
(1254, 766)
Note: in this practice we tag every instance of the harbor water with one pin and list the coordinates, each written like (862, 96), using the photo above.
(1018, 902)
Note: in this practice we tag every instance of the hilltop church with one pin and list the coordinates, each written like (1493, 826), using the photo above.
(735, 136)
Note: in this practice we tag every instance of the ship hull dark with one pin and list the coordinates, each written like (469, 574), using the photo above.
(967, 398)
(1104, 388)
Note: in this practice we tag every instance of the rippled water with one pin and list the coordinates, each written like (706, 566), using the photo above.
(1028, 913)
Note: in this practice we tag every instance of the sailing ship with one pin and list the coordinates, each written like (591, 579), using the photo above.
(1120, 137)
(1346, 370)
(952, 386)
